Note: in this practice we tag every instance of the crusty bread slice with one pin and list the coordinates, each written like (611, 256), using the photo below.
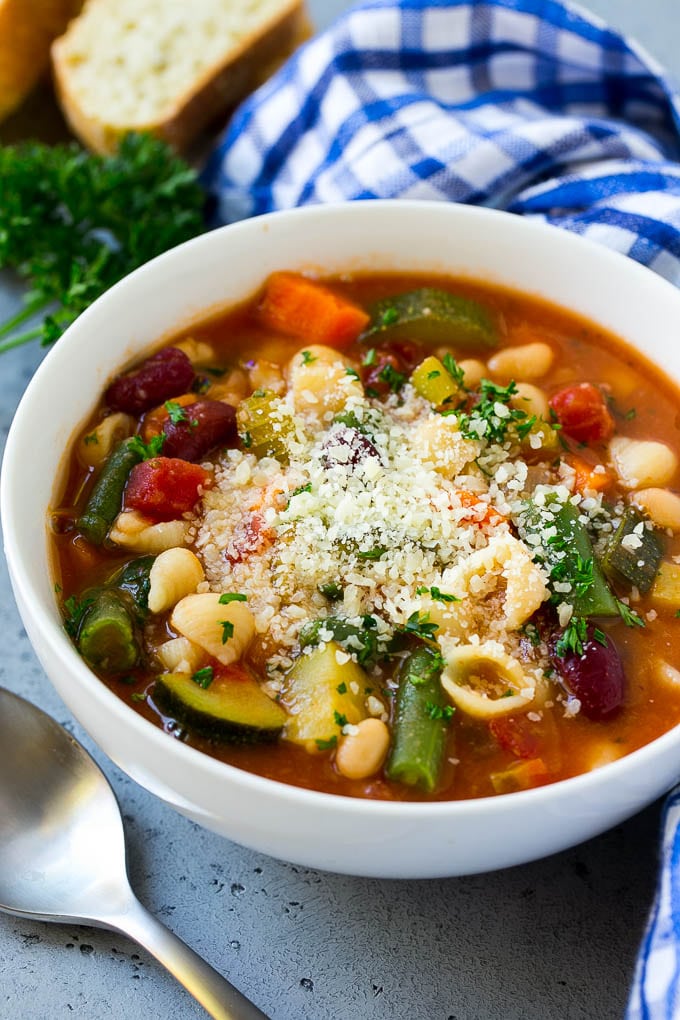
(166, 66)
(27, 28)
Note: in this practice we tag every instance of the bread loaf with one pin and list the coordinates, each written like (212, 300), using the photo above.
(27, 28)
(166, 66)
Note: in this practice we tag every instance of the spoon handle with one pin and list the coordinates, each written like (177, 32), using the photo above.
(217, 996)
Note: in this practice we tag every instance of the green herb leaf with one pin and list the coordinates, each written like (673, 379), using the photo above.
(629, 616)
(91, 438)
(176, 412)
(326, 745)
(371, 554)
(436, 594)
(75, 611)
(232, 596)
(438, 711)
(74, 223)
(342, 688)
(203, 677)
(389, 317)
(573, 637)
(341, 720)
(227, 630)
(147, 451)
(454, 370)
(419, 624)
(307, 357)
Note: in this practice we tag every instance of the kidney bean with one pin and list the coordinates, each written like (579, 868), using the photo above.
(207, 424)
(347, 447)
(165, 374)
(596, 677)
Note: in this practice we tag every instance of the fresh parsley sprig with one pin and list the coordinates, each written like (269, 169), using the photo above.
(73, 223)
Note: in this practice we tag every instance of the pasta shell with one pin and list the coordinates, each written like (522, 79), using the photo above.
(223, 631)
(477, 679)
(174, 574)
(134, 531)
(180, 655)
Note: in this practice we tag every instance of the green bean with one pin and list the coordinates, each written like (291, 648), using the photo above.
(106, 497)
(420, 725)
(107, 638)
(569, 554)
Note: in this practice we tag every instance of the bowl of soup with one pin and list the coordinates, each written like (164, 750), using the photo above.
(351, 532)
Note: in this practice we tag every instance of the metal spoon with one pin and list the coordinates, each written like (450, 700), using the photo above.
(62, 851)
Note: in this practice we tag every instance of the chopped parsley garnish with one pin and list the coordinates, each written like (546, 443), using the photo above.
(573, 637)
(247, 440)
(677, 613)
(90, 438)
(419, 624)
(326, 745)
(491, 417)
(436, 594)
(434, 711)
(372, 554)
(582, 576)
(147, 451)
(389, 317)
(331, 591)
(203, 677)
(352, 372)
(176, 412)
(370, 357)
(138, 696)
(630, 414)
(454, 369)
(600, 637)
(307, 358)
(232, 596)
(227, 630)
(369, 622)
(628, 615)
(531, 631)
(76, 609)
(300, 489)
(342, 688)
(340, 719)
(434, 374)
(389, 375)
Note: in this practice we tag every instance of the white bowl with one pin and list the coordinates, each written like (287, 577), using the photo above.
(381, 839)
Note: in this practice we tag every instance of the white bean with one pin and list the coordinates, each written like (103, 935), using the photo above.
(532, 400)
(360, 754)
(642, 462)
(174, 574)
(473, 371)
(319, 382)
(528, 361)
(265, 375)
(662, 505)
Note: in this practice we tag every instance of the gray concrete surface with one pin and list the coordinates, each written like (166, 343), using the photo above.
(553, 940)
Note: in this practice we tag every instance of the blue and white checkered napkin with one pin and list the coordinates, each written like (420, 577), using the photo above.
(527, 105)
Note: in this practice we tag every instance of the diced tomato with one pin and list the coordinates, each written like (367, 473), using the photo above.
(251, 535)
(164, 488)
(583, 414)
(514, 735)
(310, 311)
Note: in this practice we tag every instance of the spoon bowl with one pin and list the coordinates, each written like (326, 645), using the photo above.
(62, 850)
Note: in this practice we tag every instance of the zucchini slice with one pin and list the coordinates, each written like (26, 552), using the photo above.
(233, 710)
(634, 553)
(433, 316)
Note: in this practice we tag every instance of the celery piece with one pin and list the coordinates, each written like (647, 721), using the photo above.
(420, 728)
(633, 557)
(264, 426)
(431, 380)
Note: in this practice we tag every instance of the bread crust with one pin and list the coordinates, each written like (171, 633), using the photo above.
(214, 93)
(27, 29)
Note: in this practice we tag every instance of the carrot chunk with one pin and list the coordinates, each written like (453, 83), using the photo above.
(164, 488)
(585, 475)
(299, 307)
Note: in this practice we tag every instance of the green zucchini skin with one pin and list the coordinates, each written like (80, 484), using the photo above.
(433, 316)
(235, 711)
(419, 741)
(346, 634)
(134, 578)
(106, 497)
(639, 566)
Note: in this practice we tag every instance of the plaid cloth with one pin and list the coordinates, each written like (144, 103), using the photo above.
(526, 105)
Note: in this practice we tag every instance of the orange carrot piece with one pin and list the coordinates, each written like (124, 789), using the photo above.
(586, 477)
(299, 307)
(520, 776)
(155, 419)
(483, 512)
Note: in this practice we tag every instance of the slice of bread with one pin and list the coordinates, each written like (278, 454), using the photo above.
(27, 28)
(166, 66)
